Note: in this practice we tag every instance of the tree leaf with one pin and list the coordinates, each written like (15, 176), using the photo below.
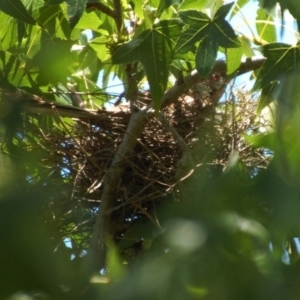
(206, 56)
(199, 28)
(58, 63)
(233, 58)
(200, 25)
(238, 5)
(164, 4)
(281, 58)
(266, 30)
(268, 95)
(223, 11)
(193, 4)
(17, 10)
(75, 9)
(52, 2)
(246, 46)
(223, 32)
(158, 43)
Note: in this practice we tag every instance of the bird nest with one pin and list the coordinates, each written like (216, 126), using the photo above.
(193, 132)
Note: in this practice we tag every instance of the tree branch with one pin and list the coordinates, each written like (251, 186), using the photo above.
(97, 252)
(102, 7)
(118, 14)
(193, 78)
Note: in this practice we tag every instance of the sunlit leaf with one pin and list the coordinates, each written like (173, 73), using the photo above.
(99, 45)
(233, 58)
(246, 46)
(58, 54)
(193, 4)
(237, 7)
(265, 26)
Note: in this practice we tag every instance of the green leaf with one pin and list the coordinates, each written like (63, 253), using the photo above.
(237, 8)
(193, 4)
(246, 46)
(137, 6)
(267, 95)
(164, 4)
(266, 29)
(233, 58)
(17, 10)
(58, 64)
(115, 267)
(158, 43)
(206, 56)
(201, 25)
(51, 2)
(53, 20)
(75, 9)
(99, 45)
(223, 32)
(199, 28)
(90, 21)
(265, 140)
(281, 58)
(201, 5)
(223, 11)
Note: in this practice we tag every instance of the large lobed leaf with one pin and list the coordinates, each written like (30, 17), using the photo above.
(211, 33)
(17, 10)
(154, 49)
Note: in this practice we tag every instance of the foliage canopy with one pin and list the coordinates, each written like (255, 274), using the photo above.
(178, 184)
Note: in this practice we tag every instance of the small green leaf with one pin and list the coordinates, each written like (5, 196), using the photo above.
(268, 95)
(89, 20)
(206, 56)
(75, 9)
(193, 4)
(265, 26)
(99, 45)
(233, 57)
(246, 46)
(238, 5)
(114, 264)
(17, 10)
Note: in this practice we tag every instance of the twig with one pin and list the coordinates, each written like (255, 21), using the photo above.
(102, 7)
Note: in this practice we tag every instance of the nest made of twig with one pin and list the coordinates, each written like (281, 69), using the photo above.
(79, 157)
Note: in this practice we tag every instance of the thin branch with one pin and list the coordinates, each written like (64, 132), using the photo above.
(102, 7)
(118, 14)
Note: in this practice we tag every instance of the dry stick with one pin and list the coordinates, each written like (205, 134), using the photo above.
(97, 253)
